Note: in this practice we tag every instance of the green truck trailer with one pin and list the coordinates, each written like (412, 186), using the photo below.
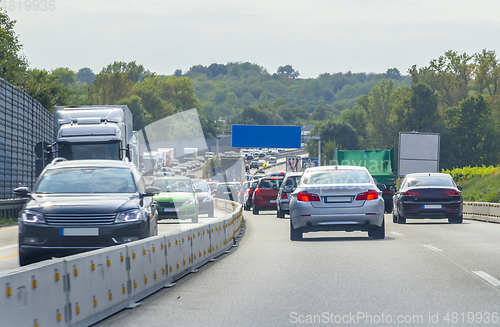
(380, 163)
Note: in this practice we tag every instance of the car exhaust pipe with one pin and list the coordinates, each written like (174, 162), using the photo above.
(367, 222)
(309, 224)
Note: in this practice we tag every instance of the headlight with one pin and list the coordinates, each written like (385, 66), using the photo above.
(190, 202)
(208, 198)
(32, 217)
(128, 216)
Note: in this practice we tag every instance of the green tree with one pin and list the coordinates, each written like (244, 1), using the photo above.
(13, 64)
(356, 117)
(65, 76)
(288, 71)
(133, 72)
(109, 88)
(141, 117)
(466, 129)
(44, 88)
(85, 75)
(379, 108)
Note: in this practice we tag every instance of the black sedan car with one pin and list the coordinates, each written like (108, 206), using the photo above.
(428, 195)
(205, 199)
(81, 205)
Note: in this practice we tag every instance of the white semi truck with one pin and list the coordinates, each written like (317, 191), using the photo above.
(190, 154)
(94, 132)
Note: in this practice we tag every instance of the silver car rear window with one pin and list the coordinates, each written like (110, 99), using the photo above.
(337, 177)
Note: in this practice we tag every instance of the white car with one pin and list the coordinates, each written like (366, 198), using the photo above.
(333, 198)
(261, 162)
(272, 160)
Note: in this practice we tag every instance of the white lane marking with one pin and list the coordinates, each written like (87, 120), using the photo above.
(396, 233)
(433, 248)
(490, 279)
(8, 247)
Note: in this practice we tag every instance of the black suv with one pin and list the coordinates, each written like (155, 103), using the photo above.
(82, 205)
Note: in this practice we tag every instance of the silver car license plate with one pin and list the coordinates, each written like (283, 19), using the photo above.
(79, 231)
(432, 206)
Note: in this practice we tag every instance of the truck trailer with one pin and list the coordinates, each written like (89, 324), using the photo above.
(94, 132)
(380, 163)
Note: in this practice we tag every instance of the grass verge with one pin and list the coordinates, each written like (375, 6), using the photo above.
(481, 189)
(8, 222)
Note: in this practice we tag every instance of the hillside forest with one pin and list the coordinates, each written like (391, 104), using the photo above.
(456, 95)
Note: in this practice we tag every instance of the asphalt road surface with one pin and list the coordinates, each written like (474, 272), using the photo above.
(424, 273)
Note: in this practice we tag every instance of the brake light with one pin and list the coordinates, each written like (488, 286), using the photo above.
(370, 195)
(452, 193)
(257, 191)
(387, 192)
(283, 196)
(307, 197)
(250, 192)
(411, 193)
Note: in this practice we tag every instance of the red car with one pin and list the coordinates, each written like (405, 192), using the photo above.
(264, 196)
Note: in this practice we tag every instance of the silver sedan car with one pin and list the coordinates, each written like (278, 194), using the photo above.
(333, 198)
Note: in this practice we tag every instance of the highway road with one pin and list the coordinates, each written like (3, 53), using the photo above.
(424, 273)
(422, 270)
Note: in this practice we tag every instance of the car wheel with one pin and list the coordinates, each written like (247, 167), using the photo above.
(255, 211)
(194, 220)
(458, 220)
(26, 259)
(401, 220)
(211, 213)
(394, 217)
(295, 235)
(377, 233)
(246, 207)
(280, 214)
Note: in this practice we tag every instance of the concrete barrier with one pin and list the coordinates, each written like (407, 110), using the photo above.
(482, 211)
(82, 289)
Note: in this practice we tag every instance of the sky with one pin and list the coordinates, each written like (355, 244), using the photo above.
(314, 36)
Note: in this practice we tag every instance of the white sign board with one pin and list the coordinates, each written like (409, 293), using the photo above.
(293, 164)
(418, 153)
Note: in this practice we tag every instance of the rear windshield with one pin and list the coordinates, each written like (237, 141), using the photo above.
(292, 181)
(174, 185)
(270, 183)
(224, 187)
(435, 180)
(202, 185)
(337, 177)
(87, 180)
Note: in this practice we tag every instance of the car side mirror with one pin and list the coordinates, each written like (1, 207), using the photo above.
(392, 188)
(382, 187)
(459, 188)
(21, 192)
(152, 191)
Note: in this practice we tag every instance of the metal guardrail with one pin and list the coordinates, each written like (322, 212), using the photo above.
(10, 208)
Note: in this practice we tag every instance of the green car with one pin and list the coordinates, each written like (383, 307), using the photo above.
(177, 199)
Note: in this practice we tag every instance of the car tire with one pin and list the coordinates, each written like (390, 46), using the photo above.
(211, 213)
(255, 211)
(401, 220)
(295, 235)
(377, 233)
(458, 220)
(246, 207)
(394, 217)
(280, 214)
(26, 259)
(194, 220)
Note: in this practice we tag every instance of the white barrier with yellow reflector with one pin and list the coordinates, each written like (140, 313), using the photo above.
(147, 267)
(25, 293)
(82, 289)
(96, 281)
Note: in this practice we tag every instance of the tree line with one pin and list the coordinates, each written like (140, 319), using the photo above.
(456, 95)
